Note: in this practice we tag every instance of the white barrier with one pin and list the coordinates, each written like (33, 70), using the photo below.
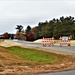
(48, 41)
(64, 41)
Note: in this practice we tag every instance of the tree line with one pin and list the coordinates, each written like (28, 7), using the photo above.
(64, 26)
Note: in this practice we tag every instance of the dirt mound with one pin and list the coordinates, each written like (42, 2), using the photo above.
(38, 41)
(7, 43)
(10, 63)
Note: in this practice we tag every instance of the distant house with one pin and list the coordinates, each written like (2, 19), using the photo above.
(1, 36)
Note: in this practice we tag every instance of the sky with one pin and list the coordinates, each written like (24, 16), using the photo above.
(31, 12)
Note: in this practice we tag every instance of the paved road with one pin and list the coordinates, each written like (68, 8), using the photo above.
(60, 73)
(70, 49)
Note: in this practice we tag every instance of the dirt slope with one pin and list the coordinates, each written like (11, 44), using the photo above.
(13, 65)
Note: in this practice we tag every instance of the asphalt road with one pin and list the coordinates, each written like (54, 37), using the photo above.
(70, 49)
(60, 73)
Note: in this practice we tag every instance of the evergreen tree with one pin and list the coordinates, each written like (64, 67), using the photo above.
(28, 29)
(64, 26)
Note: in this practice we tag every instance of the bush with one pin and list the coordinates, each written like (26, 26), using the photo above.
(31, 36)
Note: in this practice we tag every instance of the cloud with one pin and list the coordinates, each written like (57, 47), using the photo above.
(31, 12)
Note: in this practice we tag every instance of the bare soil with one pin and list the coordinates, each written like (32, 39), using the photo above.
(13, 65)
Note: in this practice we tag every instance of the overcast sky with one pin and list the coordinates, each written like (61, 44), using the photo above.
(31, 12)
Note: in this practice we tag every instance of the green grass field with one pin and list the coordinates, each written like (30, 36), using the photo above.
(34, 56)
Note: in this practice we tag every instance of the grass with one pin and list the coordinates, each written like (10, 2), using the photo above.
(35, 56)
